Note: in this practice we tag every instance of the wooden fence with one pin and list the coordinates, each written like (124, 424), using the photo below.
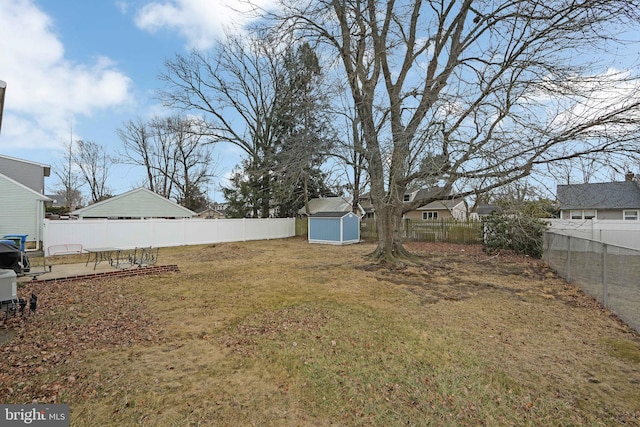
(450, 231)
(447, 230)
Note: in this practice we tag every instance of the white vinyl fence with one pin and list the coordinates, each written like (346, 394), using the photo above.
(128, 234)
(613, 232)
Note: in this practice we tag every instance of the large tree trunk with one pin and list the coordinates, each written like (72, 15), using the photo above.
(390, 249)
(388, 214)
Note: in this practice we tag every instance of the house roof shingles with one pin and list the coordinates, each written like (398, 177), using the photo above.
(330, 214)
(441, 204)
(605, 195)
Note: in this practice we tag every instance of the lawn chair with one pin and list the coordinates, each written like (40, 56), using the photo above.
(146, 256)
(138, 257)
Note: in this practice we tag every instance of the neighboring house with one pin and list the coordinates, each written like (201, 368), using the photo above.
(21, 211)
(482, 211)
(367, 205)
(331, 204)
(606, 200)
(220, 207)
(22, 198)
(135, 204)
(210, 213)
(436, 210)
(57, 201)
(439, 209)
(27, 173)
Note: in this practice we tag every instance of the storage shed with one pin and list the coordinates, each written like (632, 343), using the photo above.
(334, 228)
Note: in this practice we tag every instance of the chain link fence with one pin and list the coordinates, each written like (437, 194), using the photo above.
(609, 273)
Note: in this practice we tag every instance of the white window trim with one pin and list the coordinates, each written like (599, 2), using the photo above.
(425, 215)
(581, 213)
(633, 212)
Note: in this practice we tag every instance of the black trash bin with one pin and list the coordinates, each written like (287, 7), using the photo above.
(12, 258)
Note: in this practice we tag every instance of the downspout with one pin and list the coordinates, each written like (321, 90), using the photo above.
(40, 213)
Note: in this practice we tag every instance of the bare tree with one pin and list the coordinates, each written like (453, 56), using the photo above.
(236, 88)
(94, 164)
(174, 154)
(482, 92)
(139, 150)
(69, 186)
(193, 163)
(350, 153)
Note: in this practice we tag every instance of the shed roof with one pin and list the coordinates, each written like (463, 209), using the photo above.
(604, 195)
(138, 203)
(329, 204)
(330, 214)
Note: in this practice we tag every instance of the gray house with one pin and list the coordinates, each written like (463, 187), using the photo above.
(606, 200)
(22, 198)
(135, 204)
(27, 173)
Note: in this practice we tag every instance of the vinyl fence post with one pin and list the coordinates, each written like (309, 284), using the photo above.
(605, 286)
(568, 258)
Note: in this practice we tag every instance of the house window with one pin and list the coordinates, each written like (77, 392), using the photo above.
(630, 215)
(406, 198)
(429, 215)
(585, 214)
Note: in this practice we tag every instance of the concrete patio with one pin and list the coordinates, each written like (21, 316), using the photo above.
(81, 271)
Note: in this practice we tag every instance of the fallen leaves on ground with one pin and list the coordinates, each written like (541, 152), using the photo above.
(71, 318)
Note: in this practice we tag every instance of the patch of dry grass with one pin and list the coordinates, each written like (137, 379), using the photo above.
(287, 333)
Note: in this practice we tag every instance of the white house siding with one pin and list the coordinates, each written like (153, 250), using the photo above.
(21, 210)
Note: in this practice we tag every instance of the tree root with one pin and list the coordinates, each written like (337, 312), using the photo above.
(395, 258)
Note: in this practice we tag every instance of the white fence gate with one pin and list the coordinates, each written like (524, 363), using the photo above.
(128, 234)
(614, 232)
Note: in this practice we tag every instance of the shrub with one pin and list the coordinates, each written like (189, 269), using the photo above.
(520, 233)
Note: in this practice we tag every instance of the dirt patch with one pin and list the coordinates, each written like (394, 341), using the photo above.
(273, 324)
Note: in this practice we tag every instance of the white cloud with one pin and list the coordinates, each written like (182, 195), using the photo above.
(603, 94)
(200, 22)
(122, 6)
(45, 90)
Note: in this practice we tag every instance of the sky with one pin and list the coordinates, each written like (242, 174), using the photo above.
(78, 69)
